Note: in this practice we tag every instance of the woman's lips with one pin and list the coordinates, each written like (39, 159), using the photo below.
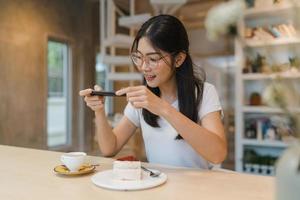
(149, 77)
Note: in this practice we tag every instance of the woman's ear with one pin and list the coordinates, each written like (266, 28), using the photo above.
(180, 58)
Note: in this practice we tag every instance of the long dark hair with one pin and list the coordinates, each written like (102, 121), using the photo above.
(167, 33)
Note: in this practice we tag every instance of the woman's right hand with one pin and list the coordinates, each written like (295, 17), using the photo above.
(96, 103)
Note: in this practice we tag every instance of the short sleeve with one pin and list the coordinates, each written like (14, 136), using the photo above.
(210, 101)
(132, 114)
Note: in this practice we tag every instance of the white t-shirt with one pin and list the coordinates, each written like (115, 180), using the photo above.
(160, 144)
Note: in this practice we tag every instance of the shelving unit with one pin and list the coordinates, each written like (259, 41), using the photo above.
(280, 9)
(262, 143)
(256, 76)
(274, 42)
(249, 82)
(266, 109)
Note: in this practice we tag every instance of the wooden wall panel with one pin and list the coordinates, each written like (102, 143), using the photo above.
(25, 26)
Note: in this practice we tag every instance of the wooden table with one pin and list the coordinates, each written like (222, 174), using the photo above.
(28, 174)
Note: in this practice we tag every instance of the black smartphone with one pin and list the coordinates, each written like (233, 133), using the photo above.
(105, 93)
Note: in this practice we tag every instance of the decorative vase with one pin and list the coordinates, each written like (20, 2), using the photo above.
(288, 174)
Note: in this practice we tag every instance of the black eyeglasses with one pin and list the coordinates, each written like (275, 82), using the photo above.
(151, 60)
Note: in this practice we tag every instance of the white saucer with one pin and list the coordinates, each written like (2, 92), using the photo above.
(105, 179)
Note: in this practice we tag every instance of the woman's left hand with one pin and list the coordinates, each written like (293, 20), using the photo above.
(142, 97)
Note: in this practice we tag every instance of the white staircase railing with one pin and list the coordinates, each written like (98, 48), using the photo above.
(110, 41)
(166, 6)
(134, 21)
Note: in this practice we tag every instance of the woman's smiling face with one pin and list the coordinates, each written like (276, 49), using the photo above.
(156, 66)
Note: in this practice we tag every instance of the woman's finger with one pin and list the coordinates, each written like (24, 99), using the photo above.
(136, 93)
(122, 91)
(97, 88)
(92, 98)
(94, 103)
(130, 89)
(85, 92)
(137, 98)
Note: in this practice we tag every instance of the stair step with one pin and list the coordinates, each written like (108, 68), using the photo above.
(119, 40)
(117, 60)
(168, 2)
(166, 6)
(123, 76)
(134, 21)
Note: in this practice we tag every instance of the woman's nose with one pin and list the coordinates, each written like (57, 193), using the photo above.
(145, 66)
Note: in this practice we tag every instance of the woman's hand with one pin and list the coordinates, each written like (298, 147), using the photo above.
(142, 97)
(96, 103)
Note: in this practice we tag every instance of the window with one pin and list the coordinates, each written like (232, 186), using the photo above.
(100, 72)
(58, 105)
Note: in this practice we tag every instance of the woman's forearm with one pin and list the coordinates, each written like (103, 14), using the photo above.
(106, 139)
(208, 144)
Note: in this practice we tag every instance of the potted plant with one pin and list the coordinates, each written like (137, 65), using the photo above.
(284, 96)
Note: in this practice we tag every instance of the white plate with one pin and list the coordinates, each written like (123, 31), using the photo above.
(105, 179)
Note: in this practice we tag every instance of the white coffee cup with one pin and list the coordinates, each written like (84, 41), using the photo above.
(73, 160)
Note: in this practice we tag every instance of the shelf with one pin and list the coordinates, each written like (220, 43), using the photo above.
(273, 42)
(264, 143)
(269, 11)
(265, 109)
(117, 60)
(134, 21)
(259, 169)
(119, 40)
(125, 76)
(260, 76)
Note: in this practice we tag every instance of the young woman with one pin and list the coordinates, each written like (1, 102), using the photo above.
(178, 113)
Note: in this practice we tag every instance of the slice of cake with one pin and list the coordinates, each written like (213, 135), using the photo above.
(127, 170)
